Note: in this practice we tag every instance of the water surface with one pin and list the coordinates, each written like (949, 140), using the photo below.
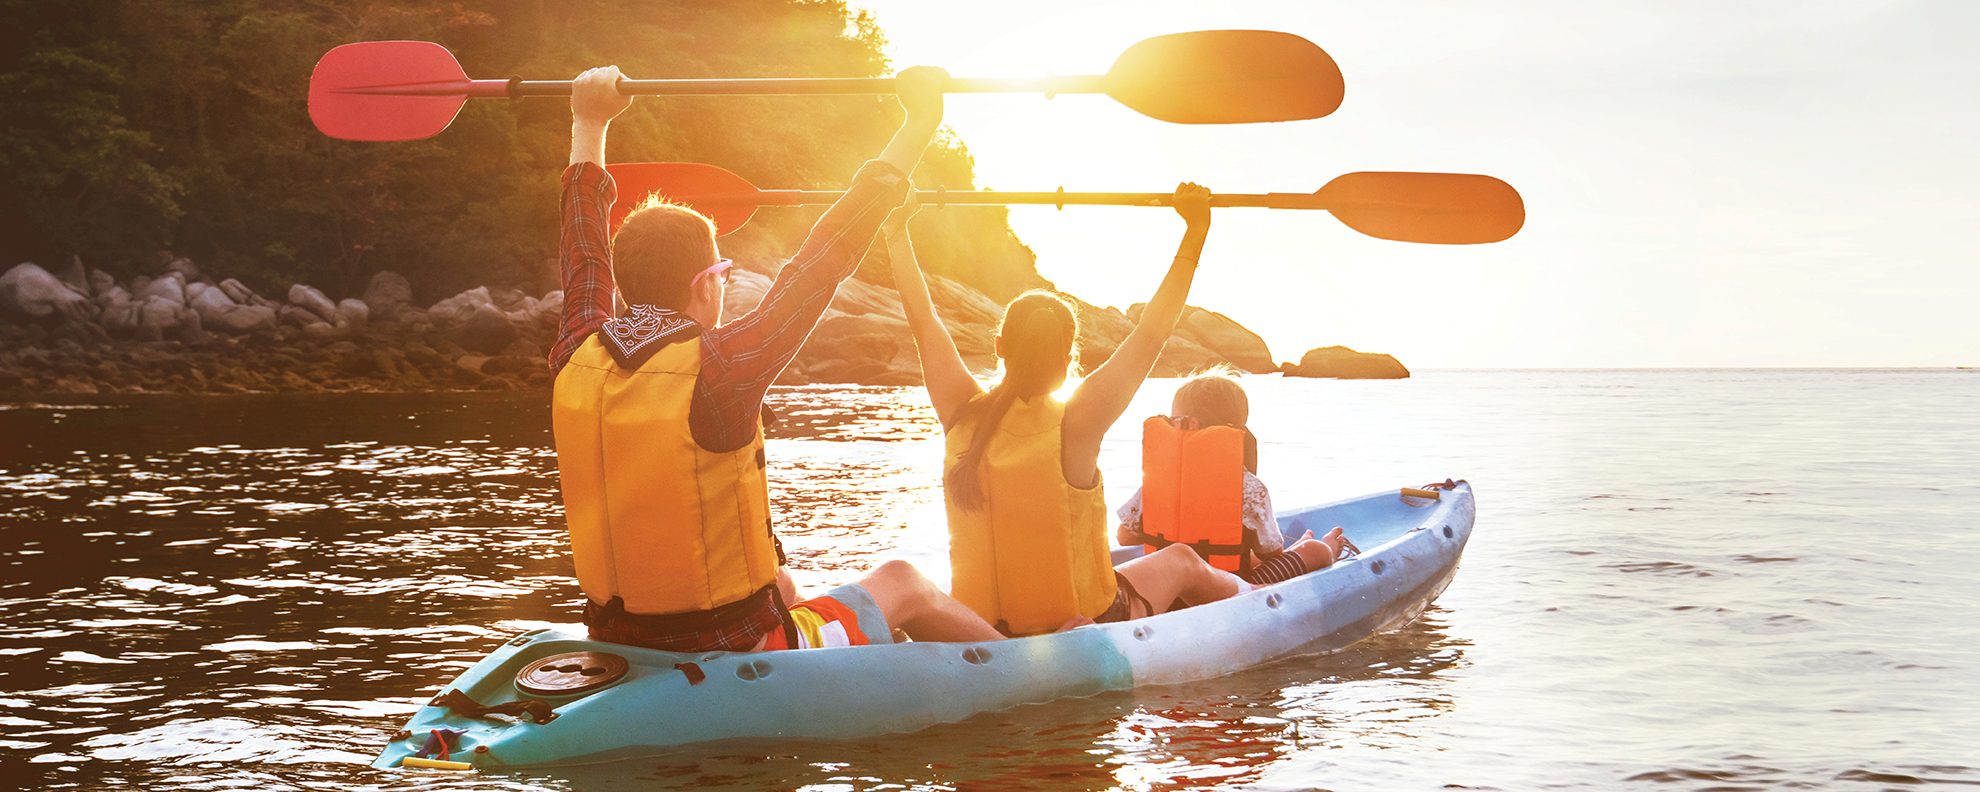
(1679, 579)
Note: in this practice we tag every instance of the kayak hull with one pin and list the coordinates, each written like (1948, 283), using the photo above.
(667, 699)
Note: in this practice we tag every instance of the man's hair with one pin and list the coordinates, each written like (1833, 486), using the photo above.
(658, 250)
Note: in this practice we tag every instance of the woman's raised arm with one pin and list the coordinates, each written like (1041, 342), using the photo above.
(950, 385)
(1102, 398)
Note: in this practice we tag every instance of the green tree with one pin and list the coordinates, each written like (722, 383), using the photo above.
(140, 125)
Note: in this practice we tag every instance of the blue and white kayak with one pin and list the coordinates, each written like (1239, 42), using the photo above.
(645, 702)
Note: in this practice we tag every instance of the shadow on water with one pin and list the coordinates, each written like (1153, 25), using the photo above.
(1205, 734)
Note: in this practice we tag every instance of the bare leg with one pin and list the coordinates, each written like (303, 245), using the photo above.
(924, 612)
(1319, 553)
(1177, 572)
(786, 587)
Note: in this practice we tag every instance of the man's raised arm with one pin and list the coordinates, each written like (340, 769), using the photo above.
(585, 248)
(749, 353)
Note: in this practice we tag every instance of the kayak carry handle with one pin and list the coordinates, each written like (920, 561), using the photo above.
(436, 764)
(1412, 492)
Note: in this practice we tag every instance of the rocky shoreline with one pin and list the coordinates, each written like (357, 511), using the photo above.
(77, 330)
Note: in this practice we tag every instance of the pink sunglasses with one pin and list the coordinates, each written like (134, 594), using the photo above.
(718, 269)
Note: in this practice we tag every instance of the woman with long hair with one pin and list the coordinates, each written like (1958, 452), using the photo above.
(1028, 525)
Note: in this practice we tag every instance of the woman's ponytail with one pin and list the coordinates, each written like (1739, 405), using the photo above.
(1038, 332)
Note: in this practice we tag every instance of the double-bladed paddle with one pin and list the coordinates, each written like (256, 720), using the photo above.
(1438, 208)
(408, 90)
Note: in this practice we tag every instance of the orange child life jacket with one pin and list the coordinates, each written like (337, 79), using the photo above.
(1192, 490)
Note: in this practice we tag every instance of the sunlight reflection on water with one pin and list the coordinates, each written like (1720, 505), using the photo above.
(1678, 577)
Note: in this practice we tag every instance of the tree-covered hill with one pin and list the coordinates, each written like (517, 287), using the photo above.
(136, 125)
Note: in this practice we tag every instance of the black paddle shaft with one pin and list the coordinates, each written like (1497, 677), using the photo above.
(793, 86)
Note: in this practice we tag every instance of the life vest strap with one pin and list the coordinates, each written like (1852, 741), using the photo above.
(461, 704)
(1249, 544)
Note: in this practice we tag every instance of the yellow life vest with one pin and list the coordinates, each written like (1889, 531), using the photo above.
(1192, 490)
(1036, 555)
(656, 519)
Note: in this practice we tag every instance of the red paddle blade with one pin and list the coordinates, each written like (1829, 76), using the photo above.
(1439, 208)
(386, 90)
(727, 199)
(1227, 77)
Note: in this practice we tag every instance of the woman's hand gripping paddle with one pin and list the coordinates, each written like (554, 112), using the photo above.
(1436, 208)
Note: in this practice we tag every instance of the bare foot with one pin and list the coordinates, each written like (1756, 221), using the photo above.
(1334, 540)
(1318, 554)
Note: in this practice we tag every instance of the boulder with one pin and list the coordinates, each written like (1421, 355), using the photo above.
(209, 302)
(959, 302)
(487, 331)
(160, 313)
(311, 298)
(461, 307)
(30, 292)
(509, 300)
(1101, 331)
(860, 298)
(218, 312)
(238, 291)
(1232, 342)
(1227, 341)
(243, 319)
(170, 288)
(388, 292)
(298, 316)
(325, 331)
(353, 312)
(746, 289)
(77, 276)
(550, 309)
(100, 281)
(114, 295)
(1340, 362)
(866, 349)
(186, 269)
(1182, 357)
(121, 316)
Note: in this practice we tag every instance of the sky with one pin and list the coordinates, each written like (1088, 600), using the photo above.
(1707, 183)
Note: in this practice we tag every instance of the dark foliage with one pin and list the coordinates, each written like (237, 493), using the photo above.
(137, 125)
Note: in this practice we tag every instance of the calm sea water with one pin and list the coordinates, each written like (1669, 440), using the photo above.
(1679, 579)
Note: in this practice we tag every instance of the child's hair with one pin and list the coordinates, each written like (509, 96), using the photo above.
(1214, 398)
(1039, 331)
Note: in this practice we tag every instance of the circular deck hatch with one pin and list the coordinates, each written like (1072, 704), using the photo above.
(571, 673)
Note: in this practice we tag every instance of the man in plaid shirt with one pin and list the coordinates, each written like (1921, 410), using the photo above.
(672, 279)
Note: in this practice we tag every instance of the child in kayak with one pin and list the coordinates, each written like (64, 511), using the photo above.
(1211, 399)
(1027, 518)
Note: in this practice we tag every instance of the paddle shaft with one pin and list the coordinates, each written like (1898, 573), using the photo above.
(760, 86)
(1006, 198)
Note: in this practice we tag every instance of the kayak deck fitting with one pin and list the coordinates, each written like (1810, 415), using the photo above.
(621, 702)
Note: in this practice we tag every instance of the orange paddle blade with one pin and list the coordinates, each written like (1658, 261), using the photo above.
(1438, 208)
(1226, 77)
(727, 199)
(386, 90)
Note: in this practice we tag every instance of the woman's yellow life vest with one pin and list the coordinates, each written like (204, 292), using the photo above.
(1035, 556)
(654, 518)
(1192, 489)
